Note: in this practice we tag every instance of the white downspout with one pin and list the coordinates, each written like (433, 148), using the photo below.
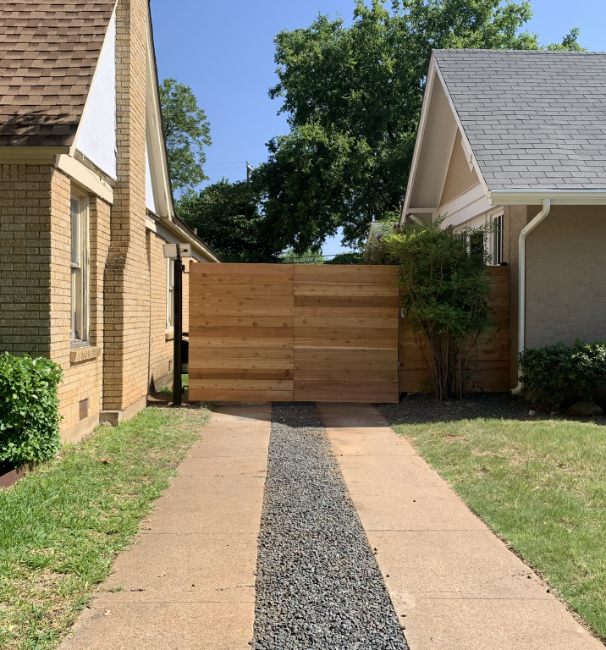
(522, 286)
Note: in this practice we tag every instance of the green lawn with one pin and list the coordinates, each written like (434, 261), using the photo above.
(61, 526)
(541, 486)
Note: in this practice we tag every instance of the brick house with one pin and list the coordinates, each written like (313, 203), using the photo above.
(86, 203)
(518, 140)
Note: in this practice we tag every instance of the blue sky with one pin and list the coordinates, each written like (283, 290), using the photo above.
(224, 51)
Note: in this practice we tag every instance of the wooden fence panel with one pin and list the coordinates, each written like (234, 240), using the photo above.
(493, 360)
(346, 334)
(241, 332)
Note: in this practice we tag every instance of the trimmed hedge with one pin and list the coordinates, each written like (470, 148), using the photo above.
(29, 410)
(558, 373)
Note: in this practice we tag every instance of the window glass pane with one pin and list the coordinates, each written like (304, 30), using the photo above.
(76, 232)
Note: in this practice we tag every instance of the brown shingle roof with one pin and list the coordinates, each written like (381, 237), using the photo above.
(48, 55)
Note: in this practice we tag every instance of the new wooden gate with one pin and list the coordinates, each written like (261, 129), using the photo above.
(284, 332)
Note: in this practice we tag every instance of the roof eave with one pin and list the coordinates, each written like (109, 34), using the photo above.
(557, 197)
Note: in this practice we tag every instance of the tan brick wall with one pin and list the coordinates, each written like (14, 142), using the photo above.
(127, 280)
(82, 380)
(161, 350)
(25, 222)
(566, 277)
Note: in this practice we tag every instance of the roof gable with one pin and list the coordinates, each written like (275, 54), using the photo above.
(48, 55)
(534, 120)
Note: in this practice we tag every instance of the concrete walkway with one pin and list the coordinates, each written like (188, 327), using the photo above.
(189, 583)
(458, 584)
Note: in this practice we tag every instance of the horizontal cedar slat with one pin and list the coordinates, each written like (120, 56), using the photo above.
(248, 332)
(346, 323)
(336, 334)
(242, 321)
(347, 312)
(342, 272)
(345, 291)
(346, 344)
(204, 395)
(346, 301)
(200, 365)
(248, 355)
(197, 343)
(242, 384)
(346, 374)
(241, 373)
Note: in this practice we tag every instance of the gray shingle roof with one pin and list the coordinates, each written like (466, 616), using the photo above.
(535, 120)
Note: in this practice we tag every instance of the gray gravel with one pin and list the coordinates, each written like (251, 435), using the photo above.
(420, 408)
(318, 583)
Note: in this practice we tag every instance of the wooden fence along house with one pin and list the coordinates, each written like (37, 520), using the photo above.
(317, 332)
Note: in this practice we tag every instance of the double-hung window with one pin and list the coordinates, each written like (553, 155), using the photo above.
(79, 262)
(170, 293)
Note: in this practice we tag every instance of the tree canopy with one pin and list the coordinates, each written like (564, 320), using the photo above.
(227, 218)
(353, 95)
(187, 132)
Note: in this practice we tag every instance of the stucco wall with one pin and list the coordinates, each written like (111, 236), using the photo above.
(566, 277)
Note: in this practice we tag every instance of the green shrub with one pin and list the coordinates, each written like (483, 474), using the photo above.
(350, 257)
(29, 410)
(556, 373)
(445, 287)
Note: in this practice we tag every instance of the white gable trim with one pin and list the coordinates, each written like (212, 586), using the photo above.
(86, 177)
(91, 140)
(434, 76)
(466, 206)
(156, 148)
(471, 159)
(420, 132)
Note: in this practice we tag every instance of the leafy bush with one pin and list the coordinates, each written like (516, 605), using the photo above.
(556, 373)
(446, 286)
(346, 258)
(29, 410)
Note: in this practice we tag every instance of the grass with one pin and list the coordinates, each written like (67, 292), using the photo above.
(541, 486)
(62, 525)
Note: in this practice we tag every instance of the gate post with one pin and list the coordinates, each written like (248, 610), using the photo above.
(178, 329)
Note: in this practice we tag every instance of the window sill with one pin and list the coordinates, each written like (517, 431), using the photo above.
(169, 335)
(80, 354)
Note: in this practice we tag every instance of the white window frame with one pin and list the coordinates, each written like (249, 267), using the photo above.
(79, 269)
(170, 293)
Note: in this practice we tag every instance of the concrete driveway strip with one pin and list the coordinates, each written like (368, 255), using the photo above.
(459, 586)
(189, 582)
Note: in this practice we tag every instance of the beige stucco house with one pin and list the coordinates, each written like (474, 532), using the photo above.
(86, 203)
(518, 140)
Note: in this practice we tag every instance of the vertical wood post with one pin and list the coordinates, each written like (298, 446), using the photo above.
(178, 328)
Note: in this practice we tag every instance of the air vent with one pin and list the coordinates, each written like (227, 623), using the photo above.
(84, 409)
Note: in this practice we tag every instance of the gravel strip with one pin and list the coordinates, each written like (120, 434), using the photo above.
(318, 583)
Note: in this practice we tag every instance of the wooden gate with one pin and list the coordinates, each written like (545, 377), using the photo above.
(284, 332)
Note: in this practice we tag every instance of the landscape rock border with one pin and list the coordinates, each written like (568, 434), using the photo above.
(318, 582)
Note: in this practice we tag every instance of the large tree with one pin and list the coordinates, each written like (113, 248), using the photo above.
(227, 218)
(187, 132)
(353, 97)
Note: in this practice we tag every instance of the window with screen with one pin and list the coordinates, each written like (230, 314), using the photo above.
(79, 260)
(170, 293)
(497, 240)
